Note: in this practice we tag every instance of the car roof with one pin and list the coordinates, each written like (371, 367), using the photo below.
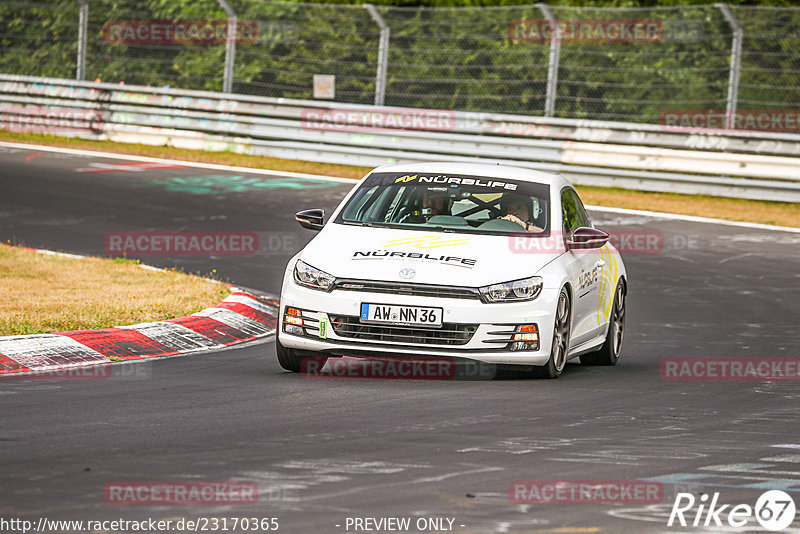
(477, 169)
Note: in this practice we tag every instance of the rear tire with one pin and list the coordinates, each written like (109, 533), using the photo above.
(290, 360)
(609, 352)
(560, 346)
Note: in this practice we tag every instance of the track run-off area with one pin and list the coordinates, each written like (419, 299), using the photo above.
(324, 451)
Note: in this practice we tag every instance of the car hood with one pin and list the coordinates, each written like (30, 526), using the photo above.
(370, 253)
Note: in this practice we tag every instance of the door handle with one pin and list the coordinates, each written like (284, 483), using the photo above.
(601, 263)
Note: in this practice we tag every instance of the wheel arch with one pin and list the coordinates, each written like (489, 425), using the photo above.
(624, 284)
(568, 286)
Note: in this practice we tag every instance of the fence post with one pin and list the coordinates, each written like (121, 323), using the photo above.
(230, 46)
(383, 54)
(736, 60)
(83, 33)
(552, 65)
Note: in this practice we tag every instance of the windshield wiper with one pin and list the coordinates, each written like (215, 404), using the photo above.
(446, 229)
(400, 226)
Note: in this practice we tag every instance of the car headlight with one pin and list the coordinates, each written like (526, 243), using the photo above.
(514, 291)
(309, 276)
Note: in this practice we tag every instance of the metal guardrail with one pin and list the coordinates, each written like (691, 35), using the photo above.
(763, 166)
(589, 62)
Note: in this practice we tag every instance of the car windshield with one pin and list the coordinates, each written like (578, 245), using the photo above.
(450, 203)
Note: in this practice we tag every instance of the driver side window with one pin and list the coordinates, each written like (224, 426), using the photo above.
(573, 211)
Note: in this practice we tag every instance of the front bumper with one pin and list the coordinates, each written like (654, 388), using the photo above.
(477, 328)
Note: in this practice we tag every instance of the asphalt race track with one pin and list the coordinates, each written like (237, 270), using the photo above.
(322, 451)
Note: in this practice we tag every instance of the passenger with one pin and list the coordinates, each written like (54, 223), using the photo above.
(519, 209)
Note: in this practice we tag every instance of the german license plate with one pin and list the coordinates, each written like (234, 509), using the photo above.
(401, 315)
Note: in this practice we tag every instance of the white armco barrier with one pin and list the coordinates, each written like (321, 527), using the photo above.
(763, 166)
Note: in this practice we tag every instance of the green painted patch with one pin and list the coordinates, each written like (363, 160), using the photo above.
(218, 184)
(125, 260)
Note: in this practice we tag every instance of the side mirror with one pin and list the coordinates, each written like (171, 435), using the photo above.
(585, 238)
(311, 219)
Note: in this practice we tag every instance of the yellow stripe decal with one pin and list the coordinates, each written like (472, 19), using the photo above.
(605, 300)
(428, 242)
(611, 281)
(601, 289)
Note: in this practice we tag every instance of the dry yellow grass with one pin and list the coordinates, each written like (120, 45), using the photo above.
(779, 213)
(43, 293)
(733, 209)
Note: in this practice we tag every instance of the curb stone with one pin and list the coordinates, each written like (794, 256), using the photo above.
(241, 317)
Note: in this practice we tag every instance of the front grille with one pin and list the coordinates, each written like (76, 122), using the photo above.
(402, 288)
(349, 326)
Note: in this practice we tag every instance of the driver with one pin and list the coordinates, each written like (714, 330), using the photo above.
(519, 209)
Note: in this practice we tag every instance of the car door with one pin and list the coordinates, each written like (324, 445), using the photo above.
(585, 267)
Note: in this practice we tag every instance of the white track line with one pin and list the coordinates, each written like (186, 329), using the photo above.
(214, 166)
(196, 164)
(693, 218)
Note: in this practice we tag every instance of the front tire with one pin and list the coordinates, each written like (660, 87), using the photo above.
(560, 346)
(609, 352)
(290, 360)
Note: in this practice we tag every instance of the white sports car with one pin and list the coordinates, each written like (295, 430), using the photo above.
(486, 262)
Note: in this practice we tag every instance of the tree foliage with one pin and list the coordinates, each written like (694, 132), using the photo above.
(462, 59)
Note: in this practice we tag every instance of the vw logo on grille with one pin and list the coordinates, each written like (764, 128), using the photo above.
(407, 273)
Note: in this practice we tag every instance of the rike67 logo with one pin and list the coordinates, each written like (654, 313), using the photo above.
(774, 510)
